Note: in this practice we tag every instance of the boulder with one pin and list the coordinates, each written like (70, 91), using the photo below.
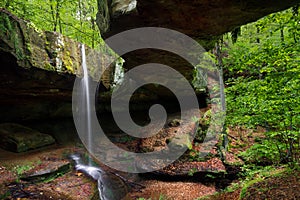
(18, 138)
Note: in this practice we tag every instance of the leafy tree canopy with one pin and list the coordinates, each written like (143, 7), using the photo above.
(73, 18)
(262, 73)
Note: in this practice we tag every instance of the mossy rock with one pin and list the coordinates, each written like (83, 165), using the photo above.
(18, 138)
(52, 51)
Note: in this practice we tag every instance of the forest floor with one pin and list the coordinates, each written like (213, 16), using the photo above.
(59, 185)
(73, 185)
(285, 186)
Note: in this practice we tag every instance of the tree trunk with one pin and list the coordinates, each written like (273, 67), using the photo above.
(7, 3)
(282, 34)
(93, 21)
(52, 14)
(57, 13)
(257, 31)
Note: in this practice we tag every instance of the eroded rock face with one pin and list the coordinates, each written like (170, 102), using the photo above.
(50, 51)
(203, 20)
(200, 19)
(38, 70)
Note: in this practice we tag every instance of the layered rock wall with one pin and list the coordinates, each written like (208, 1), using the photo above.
(38, 70)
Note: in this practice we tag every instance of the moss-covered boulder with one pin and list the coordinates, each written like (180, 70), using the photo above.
(18, 138)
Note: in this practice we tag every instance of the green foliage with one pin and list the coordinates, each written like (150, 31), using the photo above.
(247, 185)
(251, 172)
(5, 195)
(161, 197)
(192, 172)
(264, 153)
(232, 187)
(262, 74)
(254, 174)
(75, 19)
(203, 124)
(20, 169)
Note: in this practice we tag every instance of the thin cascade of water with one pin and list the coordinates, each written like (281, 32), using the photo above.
(111, 186)
(86, 101)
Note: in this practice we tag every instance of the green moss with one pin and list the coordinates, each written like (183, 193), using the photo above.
(20, 169)
(6, 27)
(247, 185)
(208, 43)
(31, 25)
(8, 23)
(19, 52)
(49, 67)
(67, 61)
(9, 31)
(28, 46)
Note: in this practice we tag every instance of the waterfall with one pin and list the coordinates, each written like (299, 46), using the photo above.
(85, 98)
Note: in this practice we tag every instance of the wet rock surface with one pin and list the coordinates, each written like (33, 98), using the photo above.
(111, 185)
